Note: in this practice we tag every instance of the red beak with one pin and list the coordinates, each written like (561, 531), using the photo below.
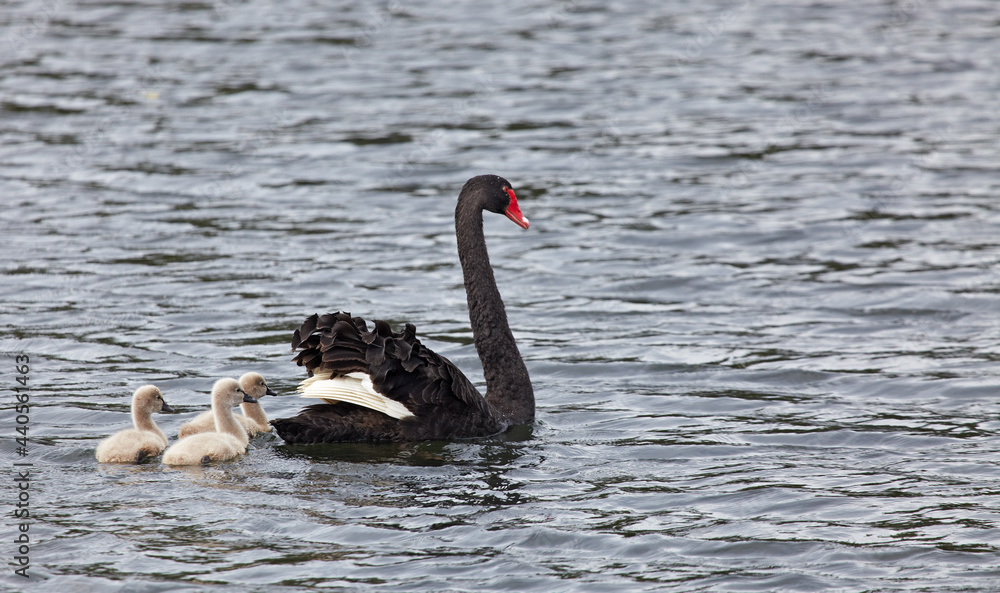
(513, 212)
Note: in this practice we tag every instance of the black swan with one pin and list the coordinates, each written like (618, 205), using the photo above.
(380, 385)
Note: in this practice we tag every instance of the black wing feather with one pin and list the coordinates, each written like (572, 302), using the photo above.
(446, 404)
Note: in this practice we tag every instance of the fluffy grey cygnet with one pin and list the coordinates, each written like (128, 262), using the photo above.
(254, 420)
(229, 439)
(146, 439)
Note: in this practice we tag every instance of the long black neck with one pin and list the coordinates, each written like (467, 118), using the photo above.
(508, 388)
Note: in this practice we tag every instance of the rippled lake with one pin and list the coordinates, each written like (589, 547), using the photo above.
(758, 300)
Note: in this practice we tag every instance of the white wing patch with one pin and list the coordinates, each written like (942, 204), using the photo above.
(355, 388)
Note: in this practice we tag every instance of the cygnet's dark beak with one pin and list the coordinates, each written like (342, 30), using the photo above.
(248, 399)
(270, 392)
(166, 407)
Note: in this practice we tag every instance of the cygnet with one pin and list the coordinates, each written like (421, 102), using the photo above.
(229, 439)
(145, 440)
(254, 420)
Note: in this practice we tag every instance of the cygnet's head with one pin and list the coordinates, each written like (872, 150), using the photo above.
(148, 400)
(255, 385)
(228, 392)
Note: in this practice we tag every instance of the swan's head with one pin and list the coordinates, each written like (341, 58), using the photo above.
(498, 196)
(148, 399)
(255, 385)
(229, 393)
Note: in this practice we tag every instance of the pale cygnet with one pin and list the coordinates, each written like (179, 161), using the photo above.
(229, 440)
(146, 439)
(254, 420)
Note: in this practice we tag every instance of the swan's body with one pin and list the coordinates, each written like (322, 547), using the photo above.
(228, 441)
(146, 439)
(253, 420)
(384, 386)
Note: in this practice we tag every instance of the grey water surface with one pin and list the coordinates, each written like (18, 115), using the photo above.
(758, 300)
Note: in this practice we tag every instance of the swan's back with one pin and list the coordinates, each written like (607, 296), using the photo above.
(442, 401)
